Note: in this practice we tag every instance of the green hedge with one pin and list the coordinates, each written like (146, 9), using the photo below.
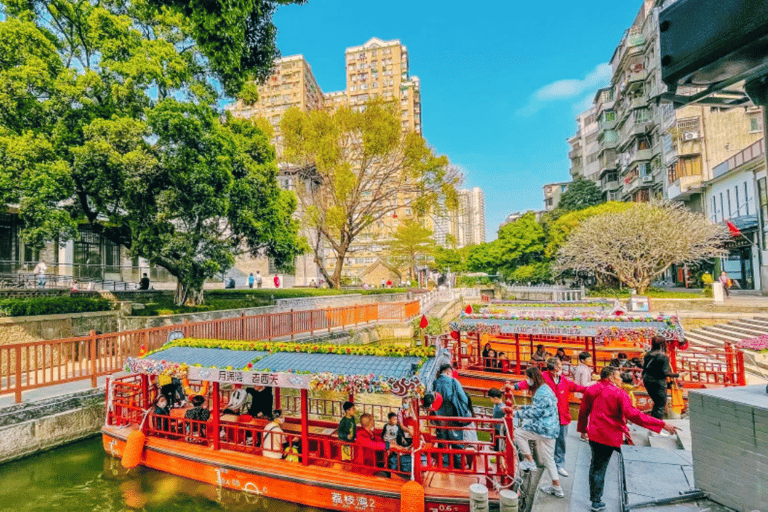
(52, 306)
(291, 293)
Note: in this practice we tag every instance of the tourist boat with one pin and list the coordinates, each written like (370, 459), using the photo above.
(326, 473)
(604, 335)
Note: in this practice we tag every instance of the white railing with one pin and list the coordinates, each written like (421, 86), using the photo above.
(547, 292)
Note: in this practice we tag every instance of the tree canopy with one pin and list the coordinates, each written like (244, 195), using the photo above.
(410, 241)
(367, 168)
(582, 193)
(558, 230)
(109, 117)
(639, 243)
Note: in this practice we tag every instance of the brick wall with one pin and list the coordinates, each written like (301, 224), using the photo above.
(729, 428)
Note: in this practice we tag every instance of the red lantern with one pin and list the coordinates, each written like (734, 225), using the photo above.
(424, 322)
(468, 309)
(455, 335)
(142, 351)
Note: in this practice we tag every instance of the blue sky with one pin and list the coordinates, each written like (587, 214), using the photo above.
(501, 84)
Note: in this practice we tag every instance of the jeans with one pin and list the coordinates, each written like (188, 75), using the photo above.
(658, 393)
(560, 446)
(450, 435)
(601, 456)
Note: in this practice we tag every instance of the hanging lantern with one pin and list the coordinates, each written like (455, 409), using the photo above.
(424, 322)
(468, 309)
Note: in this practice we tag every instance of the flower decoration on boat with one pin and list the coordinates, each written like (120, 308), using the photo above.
(353, 384)
(759, 343)
(154, 367)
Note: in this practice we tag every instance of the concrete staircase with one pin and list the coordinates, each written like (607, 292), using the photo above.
(714, 337)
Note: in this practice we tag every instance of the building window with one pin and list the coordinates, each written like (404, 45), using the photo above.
(728, 198)
(762, 193)
(755, 124)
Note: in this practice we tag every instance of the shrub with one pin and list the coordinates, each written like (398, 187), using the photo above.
(52, 306)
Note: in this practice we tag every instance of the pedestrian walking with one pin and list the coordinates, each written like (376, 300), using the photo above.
(144, 282)
(455, 404)
(251, 280)
(40, 271)
(277, 281)
(726, 282)
(540, 422)
(656, 371)
(258, 279)
(603, 414)
(562, 388)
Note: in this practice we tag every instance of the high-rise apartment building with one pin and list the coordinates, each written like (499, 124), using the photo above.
(376, 69)
(552, 194)
(645, 148)
(584, 146)
(463, 227)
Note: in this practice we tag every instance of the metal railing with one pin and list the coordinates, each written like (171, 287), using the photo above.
(547, 292)
(25, 366)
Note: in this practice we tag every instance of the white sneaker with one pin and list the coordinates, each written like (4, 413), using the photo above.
(528, 465)
(554, 491)
(562, 472)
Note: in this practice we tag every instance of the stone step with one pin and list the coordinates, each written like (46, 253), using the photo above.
(757, 322)
(721, 333)
(748, 331)
(698, 338)
(579, 499)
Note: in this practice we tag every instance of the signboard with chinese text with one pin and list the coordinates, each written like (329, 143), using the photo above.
(249, 378)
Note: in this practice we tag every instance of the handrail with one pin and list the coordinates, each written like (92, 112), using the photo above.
(37, 364)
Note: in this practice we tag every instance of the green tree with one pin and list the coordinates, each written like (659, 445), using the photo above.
(368, 169)
(453, 260)
(582, 193)
(410, 241)
(109, 117)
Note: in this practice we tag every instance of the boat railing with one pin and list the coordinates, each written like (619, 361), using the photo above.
(703, 367)
(330, 408)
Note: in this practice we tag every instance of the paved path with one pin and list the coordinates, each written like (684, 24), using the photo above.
(34, 395)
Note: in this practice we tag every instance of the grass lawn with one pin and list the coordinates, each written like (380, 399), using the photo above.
(217, 300)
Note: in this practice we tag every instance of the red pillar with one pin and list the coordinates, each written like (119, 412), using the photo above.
(518, 370)
(672, 356)
(416, 455)
(305, 427)
(145, 391)
(508, 420)
(594, 354)
(276, 393)
(215, 420)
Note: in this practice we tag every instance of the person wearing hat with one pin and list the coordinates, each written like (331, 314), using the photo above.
(455, 403)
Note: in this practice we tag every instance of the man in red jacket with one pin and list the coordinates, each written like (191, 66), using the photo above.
(604, 410)
(563, 388)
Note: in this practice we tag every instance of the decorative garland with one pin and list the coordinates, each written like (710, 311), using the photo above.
(759, 343)
(547, 304)
(544, 313)
(353, 384)
(153, 367)
(671, 321)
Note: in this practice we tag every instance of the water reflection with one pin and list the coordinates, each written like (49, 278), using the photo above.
(81, 477)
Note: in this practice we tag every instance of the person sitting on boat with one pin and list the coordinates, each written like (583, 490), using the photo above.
(491, 363)
(371, 447)
(261, 401)
(562, 356)
(162, 410)
(623, 361)
(539, 423)
(628, 385)
(347, 430)
(455, 404)
(389, 432)
(582, 375)
(236, 400)
(498, 413)
(486, 349)
(198, 413)
(503, 362)
(541, 355)
(274, 442)
(406, 419)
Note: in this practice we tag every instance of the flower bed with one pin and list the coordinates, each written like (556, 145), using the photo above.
(758, 344)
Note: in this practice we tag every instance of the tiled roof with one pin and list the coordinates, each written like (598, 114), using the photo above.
(217, 357)
(339, 364)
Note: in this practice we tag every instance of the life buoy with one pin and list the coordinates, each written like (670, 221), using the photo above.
(190, 392)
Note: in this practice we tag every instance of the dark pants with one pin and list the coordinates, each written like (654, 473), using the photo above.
(658, 393)
(560, 447)
(601, 456)
(450, 435)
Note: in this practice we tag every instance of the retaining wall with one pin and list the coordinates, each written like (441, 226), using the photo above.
(33, 427)
(25, 329)
(729, 429)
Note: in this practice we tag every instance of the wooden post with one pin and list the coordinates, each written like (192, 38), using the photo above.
(479, 350)
(416, 455)
(305, 427)
(276, 394)
(92, 345)
(728, 362)
(215, 420)
(242, 326)
(18, 374)
(145, 390)
(311, 322)
(517, 354)
(109, 416)
(742, 379)
(292, 323)
(594, 353)
(328, 318)
(673, 356)
(269, 330)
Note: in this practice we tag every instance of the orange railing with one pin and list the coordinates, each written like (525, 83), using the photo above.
(25, 366)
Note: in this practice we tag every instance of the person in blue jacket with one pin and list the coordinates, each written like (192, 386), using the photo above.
(455, 404)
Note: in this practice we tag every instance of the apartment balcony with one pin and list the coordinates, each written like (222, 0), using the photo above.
(636, 76)
(684, 187)
(610, 186)
(607, 125)
(576, 170)
(575, 153)
(641, 155)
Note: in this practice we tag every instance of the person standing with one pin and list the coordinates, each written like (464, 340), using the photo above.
(656, 371)
(39, 271)
(258, 279)
(539, 422)
(251, 280)
(455, 404)
(144, 282)
(603, 414)
(277, 281)
(582, 375)
(562, 388)
(261, 401)
(726, 282)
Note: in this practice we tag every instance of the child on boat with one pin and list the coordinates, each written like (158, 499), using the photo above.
(347, 430)
(273, 443)
(198, 413)
(498, 413)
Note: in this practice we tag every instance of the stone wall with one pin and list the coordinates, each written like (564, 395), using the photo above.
(25, 329)
(29, 428)
(729, 428)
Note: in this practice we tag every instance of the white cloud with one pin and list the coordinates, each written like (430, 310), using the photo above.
(569, 88)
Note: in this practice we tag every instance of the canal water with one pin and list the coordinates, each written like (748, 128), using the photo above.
(81, 477)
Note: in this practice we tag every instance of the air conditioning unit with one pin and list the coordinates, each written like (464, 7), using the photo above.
(647, 179)
(690, 135)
